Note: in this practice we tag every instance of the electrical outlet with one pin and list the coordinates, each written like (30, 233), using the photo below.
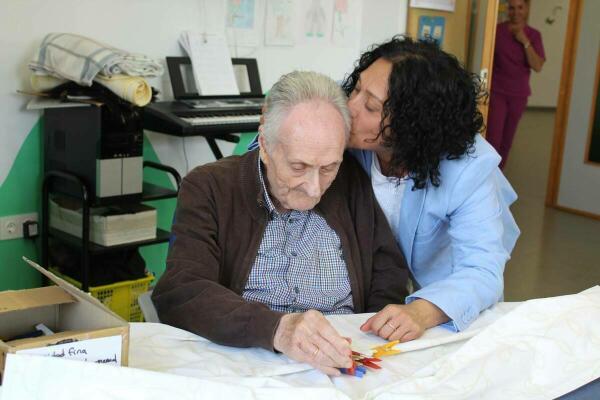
(11, 226)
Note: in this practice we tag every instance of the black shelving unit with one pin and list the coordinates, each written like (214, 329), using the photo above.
(150, 192)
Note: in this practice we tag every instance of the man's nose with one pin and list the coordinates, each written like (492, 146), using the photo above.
(312, 184)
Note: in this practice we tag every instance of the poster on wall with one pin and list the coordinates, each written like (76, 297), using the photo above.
(441, 5)
(241, 21)
(315, 21)
(344, 31)
(503, 11)
(432, 28)
(279, 23)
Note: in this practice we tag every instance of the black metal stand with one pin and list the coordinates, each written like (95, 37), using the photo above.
(151, 192)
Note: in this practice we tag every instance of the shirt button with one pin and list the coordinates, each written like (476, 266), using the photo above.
(296, 290)
(294, 254)
(291, 220)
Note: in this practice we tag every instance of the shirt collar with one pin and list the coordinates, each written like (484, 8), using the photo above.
(270, 206)
(379, 178)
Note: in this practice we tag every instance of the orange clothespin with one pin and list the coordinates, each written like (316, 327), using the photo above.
(386, 349)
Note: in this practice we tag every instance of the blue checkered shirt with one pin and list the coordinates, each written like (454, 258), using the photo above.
(299, 265)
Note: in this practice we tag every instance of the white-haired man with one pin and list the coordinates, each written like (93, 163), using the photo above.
(267, 243)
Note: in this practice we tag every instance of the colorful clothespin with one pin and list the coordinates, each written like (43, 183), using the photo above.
(360, 362)
(366, 361)
(386, 349)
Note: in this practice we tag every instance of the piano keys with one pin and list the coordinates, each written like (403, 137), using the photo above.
(214, 117)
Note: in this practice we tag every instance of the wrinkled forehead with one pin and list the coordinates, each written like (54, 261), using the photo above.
(313, 132)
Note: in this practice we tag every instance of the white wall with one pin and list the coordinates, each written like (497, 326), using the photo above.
(152, 27)
(381, 19)
(579, 182)
(545, 84)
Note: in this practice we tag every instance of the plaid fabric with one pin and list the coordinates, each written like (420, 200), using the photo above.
(80, 59)
(299, 265)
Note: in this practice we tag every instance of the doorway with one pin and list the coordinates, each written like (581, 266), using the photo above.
(530, 158)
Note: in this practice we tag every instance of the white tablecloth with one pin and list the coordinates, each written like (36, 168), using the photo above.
(538, 349)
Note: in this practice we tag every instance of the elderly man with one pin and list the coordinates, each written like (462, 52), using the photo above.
(268, 242)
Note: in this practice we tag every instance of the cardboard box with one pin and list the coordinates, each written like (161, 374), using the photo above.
(84, 329)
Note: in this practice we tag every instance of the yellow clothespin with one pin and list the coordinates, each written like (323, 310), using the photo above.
(386, 349)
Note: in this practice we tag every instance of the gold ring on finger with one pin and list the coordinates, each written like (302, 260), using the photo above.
(314, 354)
(392, 327)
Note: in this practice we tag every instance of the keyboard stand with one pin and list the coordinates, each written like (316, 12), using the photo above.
(212, 143)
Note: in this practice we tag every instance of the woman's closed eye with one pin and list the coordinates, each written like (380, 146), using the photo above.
(371, 108)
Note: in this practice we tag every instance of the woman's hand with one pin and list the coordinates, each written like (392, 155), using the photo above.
(405, 322)
(533, 59)
(519, 33)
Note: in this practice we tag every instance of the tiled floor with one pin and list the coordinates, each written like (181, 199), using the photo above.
(558, 253)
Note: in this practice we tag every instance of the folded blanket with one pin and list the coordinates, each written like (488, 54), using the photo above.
(135, 90)
(80, 59)
(42, 83)
(131, 88)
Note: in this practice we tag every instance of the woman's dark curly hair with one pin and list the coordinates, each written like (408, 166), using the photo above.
(431, 112)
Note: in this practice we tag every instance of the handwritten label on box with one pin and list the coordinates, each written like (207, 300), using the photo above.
(106, 350)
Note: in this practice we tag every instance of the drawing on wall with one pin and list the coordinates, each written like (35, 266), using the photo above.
(315, 20)
(441, 5)
(344, 31)
(242, 23)
(503, 11)
(432, 28)
(279, 23)
(240, 14)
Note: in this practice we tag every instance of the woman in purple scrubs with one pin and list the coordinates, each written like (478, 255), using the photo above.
(518, 50)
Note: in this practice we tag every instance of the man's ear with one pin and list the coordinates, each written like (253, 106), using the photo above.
(262, 147)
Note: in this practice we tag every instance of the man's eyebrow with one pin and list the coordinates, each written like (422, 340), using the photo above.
(333, 164)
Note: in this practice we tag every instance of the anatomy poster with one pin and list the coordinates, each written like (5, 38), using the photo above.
(345, 22)
(315, 21)
(279, 23)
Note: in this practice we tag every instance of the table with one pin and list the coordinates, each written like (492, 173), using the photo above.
(537, 349)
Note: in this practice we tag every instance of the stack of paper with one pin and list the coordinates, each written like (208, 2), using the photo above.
(211, 63)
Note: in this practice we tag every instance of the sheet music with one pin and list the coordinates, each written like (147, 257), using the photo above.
(211, 63)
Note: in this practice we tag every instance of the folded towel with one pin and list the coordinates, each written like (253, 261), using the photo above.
(134, 89)
(42, 83)
(131, 88)
(80, 59)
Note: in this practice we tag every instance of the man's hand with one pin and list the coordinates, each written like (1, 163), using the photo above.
(308, 337)
(404, 322)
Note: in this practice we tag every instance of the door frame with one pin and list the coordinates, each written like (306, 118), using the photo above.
(487, 56)
(564, 101)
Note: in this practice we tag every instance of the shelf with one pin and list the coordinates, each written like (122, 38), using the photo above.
(155, 192)
(150, 192)
(162, 236)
